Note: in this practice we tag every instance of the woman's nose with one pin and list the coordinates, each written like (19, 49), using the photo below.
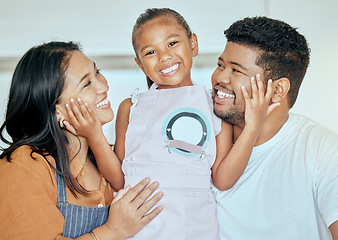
(102, 85)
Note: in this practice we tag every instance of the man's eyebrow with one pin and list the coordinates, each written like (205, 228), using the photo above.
(239, 65)
(234, 63)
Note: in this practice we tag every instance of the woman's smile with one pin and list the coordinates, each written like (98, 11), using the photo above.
(103, 104)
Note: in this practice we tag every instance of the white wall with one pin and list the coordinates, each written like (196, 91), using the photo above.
(104, 30)
(104, 26)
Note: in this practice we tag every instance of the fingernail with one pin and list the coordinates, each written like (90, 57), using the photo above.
(86, 104)
(67, 105)
(79, 99)
(160, 194)
(258, 75)
(72, 100)
(155, 184)
(252, 78)
(146, 180)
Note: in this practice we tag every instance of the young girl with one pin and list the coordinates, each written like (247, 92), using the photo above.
(170, 132)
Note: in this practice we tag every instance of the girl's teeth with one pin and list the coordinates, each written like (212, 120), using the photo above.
(172, 68)
(102, 103)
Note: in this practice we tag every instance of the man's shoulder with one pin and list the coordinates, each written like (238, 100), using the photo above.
(306, 127)
(306, 122)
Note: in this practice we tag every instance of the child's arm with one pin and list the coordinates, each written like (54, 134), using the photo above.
(83, 122)
(227, 170)
(121, 125)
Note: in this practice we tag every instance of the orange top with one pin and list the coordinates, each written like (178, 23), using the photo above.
(28, 196)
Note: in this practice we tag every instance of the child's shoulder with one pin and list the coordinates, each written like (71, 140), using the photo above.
(123, 112)
(125, 104)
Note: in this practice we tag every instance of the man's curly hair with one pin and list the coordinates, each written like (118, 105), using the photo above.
(283, 51)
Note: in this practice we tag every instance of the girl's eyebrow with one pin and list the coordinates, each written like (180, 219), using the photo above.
(171, 36)
(145, 47)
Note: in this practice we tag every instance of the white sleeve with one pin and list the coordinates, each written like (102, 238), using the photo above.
(134, 99)
(326, 177)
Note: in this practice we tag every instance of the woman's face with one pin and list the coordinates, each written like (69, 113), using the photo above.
(83, 80)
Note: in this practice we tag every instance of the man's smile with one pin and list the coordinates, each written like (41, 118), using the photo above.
(222, 94)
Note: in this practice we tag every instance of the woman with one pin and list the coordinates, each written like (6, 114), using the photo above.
(50, 187)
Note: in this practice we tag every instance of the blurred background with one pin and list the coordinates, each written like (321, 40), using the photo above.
(103, 27)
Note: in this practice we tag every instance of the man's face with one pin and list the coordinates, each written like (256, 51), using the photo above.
(236, 66)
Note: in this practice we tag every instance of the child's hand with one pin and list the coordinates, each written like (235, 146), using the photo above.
(258, 107)
(82, 119)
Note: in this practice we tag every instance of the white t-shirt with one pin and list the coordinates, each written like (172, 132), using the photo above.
(289, 189)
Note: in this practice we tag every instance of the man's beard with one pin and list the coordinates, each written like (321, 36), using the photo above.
(232, 115)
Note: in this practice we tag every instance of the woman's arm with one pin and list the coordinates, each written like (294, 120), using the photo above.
(28, 196)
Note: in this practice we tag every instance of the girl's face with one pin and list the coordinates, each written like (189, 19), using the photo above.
(165, 52)
(83, 80)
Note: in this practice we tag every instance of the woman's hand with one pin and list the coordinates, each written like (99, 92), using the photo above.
(129, 210)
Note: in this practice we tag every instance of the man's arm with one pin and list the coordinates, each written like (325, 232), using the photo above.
(334, 230)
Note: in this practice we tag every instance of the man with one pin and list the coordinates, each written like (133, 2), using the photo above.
(289, 189)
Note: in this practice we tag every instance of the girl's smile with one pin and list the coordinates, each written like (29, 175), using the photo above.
(170, 70)
(165, 52)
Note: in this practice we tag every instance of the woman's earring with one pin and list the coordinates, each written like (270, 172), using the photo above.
(61, 123)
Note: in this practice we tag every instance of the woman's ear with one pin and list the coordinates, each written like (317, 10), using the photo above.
(59, 115)
(194, 45)
(281, 89)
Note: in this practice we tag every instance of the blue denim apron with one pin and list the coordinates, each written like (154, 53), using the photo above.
(79, 220)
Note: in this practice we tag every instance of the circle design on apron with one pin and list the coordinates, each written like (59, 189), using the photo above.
(193, 128)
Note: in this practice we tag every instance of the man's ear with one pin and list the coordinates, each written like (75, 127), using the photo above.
(139, 63)
(281, 89)
(194, 45)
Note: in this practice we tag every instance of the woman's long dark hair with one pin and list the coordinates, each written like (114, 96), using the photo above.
(36, 87)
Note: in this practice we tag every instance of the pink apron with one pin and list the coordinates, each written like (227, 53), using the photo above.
(171, 139)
